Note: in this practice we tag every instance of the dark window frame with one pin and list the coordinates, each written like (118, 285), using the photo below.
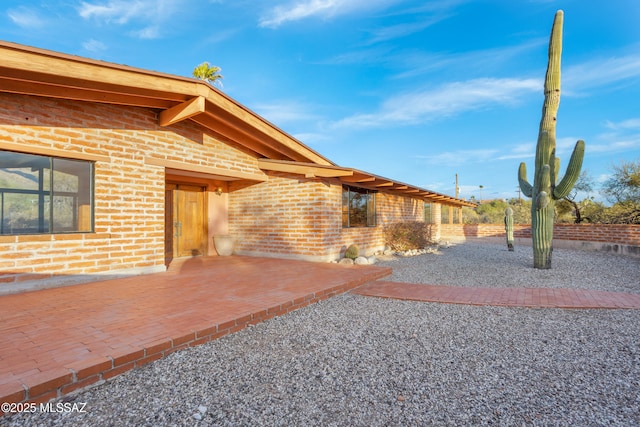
(61, 192)
(358, 207)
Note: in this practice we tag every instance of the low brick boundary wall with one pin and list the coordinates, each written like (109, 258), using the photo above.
(616, 238)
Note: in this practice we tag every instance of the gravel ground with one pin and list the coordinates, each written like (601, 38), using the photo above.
(485, 265)
(362, 361)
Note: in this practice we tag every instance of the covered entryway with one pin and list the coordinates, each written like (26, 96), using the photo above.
(185, 221)
(196, 206)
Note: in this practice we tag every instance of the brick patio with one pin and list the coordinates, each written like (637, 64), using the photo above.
(55, 341)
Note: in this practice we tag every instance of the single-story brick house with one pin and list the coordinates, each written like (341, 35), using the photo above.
(111, 170)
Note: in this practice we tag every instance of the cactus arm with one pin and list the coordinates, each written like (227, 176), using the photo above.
(572, 174)
(556, 168)
(527, 189)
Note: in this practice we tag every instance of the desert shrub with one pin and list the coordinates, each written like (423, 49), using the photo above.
(352, 252)
(402, 236)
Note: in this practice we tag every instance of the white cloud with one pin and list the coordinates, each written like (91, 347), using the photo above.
(118, 11)
(25, 17)
(624, 136)
(520, 151)
(459, 157)
(403, 30)
(448, 100)
(94, 45)
(311, 138)
(419, 62)
(600, 72)
(617, 144)
(149, 14)
(285, 112)
(148, 33)
(302, 9)
(625, 124)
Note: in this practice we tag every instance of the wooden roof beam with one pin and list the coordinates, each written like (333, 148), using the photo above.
(182, 111)
(358, 178)
(308, 170)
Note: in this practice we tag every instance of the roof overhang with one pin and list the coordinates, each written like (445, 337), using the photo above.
(37, 72)
(31, 71)
(358, 178)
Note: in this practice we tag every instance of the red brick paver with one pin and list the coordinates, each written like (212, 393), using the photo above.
(516, 297)
(56, 341)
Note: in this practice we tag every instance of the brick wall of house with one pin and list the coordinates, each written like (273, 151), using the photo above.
(129, 194)
(293, 217)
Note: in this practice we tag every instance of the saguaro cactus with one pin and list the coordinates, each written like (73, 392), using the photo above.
(546, 188)
(508, 227)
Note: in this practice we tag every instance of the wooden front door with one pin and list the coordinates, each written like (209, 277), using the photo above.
(186, 204)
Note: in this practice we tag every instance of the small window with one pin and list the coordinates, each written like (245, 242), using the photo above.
(41, 194)
(444, 214)
(358, 207)
(428, 214)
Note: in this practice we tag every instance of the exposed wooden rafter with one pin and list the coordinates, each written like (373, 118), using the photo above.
(306, 169)
(182, 111)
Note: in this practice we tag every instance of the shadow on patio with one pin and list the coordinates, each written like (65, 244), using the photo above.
(56, 341)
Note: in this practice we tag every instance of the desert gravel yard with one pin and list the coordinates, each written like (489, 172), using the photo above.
(363, 361)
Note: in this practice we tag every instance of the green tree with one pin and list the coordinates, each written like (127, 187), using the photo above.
(569, 209)
(624, 184)
(623, 190)
(208, 73)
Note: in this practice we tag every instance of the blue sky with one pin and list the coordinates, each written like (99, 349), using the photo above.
(416, 91)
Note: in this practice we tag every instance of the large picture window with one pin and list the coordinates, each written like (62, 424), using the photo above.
(42, 194)
(358, 207)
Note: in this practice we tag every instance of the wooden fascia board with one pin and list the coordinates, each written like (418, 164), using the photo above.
(81, 94)
(182, 111)
(205, 170)
(309, 171)
(69, 66)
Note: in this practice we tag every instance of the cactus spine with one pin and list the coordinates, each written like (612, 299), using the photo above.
(508, 227)
(546, 189)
